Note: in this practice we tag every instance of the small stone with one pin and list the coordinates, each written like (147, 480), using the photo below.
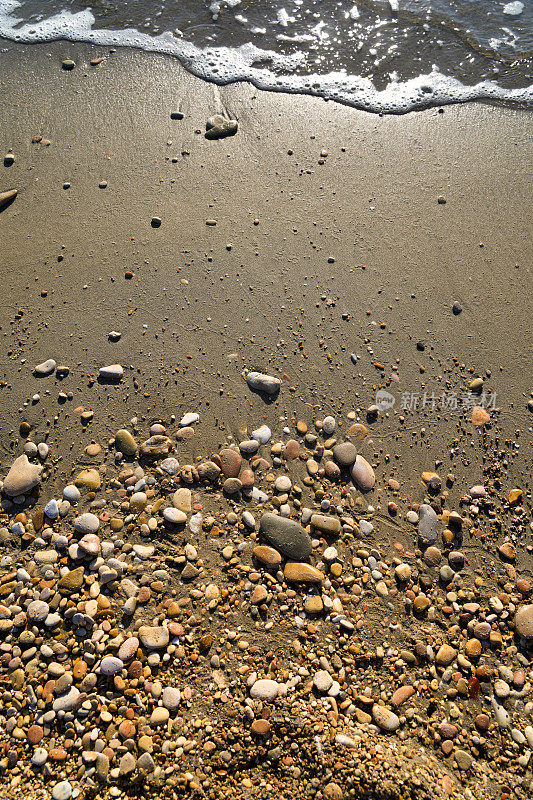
(260, 382)
(402, 694)
(328, 425)
(363, 474)
(313, 604)
(524, 622)
(113, 372)
(295, 572)
(230, 461)
(171, 698)
(265, 689)
(153, 637)
(218, 127)
(329, 525)
(86, 523)
(286, 536)
(22, 477)
(427, 524)
(71, 581)
(267, 555)
(63, 789)
(174, 516)
(446, 655)
(110, 665)
(322, 681)
(385, 718)
(45, 368)
(480, 416)
(345, 454)
(125, 442)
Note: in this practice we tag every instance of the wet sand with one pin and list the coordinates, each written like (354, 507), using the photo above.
(330, 240)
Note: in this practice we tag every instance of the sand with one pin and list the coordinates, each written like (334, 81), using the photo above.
(330, 240)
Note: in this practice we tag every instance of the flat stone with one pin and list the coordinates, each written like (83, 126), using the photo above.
(182, 499)
(363, 474)
(45, 368)
(322, 681)
(86, 523)
(384, 718)
(260, 382)
(345, 454)
(90, 478)
(113, 372)
(174, 516)
(63, 789)
(262, 434)
(267, 555)
(128, 648)
(125, 442)
(313, 604)
(22, 477)
(111, 665)
(327, 524)
(37, 611)
(218, 127)
(153, 637)
(524, 622)
(249, 447)
(230, 461)
(71, 493)
(171, 698)
(189, 419)
(446, 655)
(71, 581)
(427, 524)
(265, 689)
(155, 446)
(208, 471)
(295, 572)
(66, 702)
(402, 694)
(51, 509)
(286, 535)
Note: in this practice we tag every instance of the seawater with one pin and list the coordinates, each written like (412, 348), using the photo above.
(389, 56)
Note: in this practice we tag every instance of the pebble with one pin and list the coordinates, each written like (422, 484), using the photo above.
(174, 516)
(153, 637)
(111, 665)
(286, 536)
(22, 477)
(427, 524)
(294, 572)
(363, 474)
(260, 382)
(63, 789)
(265, 689)
(322, 681)
(328, 425)
(45, 368)
(218, 127)
(345, 454)
(125, 442)
(113, 372)
(86, 523)
(385, 718)
(524, 622)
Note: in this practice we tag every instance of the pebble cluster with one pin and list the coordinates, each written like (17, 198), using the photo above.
(275, 614)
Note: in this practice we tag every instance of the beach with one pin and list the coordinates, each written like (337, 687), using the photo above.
(344, 253)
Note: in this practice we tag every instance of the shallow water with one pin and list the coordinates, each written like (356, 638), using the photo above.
(381, 55)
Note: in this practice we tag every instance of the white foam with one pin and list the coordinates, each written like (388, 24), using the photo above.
(265, 69)
(513, 9)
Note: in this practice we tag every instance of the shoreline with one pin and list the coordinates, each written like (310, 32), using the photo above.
(315, 233)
